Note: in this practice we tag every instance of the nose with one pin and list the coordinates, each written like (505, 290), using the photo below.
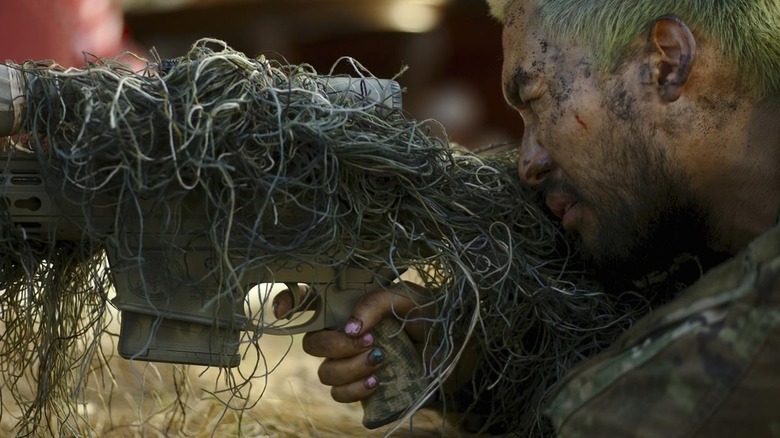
(534, 163)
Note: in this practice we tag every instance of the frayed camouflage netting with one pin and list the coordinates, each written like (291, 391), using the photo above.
(250, 160)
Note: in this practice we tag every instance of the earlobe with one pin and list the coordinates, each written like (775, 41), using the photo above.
(671, 49)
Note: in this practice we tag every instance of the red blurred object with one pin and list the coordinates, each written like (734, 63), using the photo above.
(61, 30)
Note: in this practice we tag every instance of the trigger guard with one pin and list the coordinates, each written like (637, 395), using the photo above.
(302, 301)
(295, 290)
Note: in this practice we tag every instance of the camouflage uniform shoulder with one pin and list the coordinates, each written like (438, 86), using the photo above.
(704, 362)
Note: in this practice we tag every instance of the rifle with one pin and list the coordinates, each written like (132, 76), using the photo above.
(173, 308)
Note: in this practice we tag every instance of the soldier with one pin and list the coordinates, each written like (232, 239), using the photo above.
(651, 130)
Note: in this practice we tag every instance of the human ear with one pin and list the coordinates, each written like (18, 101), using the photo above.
(671, 49)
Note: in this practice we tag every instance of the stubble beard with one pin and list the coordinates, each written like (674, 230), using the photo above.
(644, 215)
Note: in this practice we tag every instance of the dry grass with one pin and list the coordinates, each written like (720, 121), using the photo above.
(135, 399)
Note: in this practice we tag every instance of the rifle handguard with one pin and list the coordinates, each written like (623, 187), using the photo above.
(401, 381)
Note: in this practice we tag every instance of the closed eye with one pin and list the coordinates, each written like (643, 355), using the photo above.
(520, 81)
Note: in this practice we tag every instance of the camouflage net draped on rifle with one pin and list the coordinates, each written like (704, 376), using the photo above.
(253, 139)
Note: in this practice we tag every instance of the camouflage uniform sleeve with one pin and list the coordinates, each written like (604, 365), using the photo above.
(706, 365)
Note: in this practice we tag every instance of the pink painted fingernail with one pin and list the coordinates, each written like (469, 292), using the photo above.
(370, 382)
(353, 326)
(368, 339)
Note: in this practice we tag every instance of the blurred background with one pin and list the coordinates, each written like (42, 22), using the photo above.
(452, 47)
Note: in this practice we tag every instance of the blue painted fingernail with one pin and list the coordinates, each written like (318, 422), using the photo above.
(370, 382)
(353, 327)
(375, 357)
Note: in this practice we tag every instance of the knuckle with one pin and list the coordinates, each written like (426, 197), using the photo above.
(306, 343)
(312, 344)
(340, 395)
(359, 344)
(371, 300)
(324, 373)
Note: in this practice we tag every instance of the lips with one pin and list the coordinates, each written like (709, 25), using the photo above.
(563, 207)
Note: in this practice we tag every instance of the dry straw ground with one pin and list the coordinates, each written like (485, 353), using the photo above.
(134, 400)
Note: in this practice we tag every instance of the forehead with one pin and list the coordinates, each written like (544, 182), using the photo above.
(531, 51)
(523, 35)
(528, 52)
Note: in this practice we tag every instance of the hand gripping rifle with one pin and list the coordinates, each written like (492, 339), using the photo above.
(173, 308)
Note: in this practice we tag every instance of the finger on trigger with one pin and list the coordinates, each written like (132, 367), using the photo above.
(282, 303)
(294, 299)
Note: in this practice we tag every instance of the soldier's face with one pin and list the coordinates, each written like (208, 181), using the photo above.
(589, 147)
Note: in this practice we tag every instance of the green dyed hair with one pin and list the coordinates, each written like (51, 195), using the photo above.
(498, 8)
(746, 31)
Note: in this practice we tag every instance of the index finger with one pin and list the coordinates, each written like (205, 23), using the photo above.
(296, 298)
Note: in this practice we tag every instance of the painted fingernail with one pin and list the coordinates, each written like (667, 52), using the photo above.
(368, 339)
(375, 357)
(370, 382)
(353, 327)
